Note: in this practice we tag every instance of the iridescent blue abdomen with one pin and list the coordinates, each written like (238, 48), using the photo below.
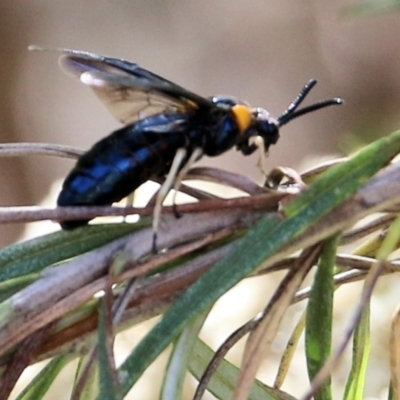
(116, 165)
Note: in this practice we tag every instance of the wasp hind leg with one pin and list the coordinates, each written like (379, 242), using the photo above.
(130, 200)
(165, 188)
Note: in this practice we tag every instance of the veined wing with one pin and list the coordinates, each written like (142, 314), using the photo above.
(129, 91)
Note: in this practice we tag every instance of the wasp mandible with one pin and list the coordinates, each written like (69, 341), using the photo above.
(166, 129)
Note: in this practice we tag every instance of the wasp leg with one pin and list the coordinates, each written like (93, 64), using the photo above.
(165, 188)
(258, 141)
(129, 202)
(197, 153)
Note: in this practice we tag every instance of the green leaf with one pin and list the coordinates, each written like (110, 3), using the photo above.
(361, 347)
(39, 386)
(319, 316)
(108, 389)
(266, 238)
(12, 286)
(222, 384)
(391, 394)
(91, 385)
(341, 181)
(179, 360)
(361, 342)
(290, 350)
(34, 255)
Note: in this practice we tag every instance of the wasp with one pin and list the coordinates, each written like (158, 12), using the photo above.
(166, 129)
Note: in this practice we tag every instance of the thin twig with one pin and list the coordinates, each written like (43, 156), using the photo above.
(39, 149)
(326, 370)
(266, 201)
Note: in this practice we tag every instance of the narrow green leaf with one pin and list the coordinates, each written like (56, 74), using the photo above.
(343, 180)
(361, 347)
(11, 286)
(290, 350)
(190, 304)
(222, 384)
(319, 316)
(108, 389)
(361, 342)
(179, 360)
(36, 254)
(390, 241)
(266, 238)
(39, 386)
(91, 388)
(391, 394)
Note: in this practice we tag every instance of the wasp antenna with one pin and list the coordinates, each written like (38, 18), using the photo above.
(286, 117)
(301, 96)
(291, 112)
(34, 47)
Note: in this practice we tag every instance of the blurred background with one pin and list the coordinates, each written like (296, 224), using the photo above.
(261, 51)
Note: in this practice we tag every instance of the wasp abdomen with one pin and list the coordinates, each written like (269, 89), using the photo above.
(115, 166)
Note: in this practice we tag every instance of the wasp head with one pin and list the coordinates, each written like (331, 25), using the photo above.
(263, 131)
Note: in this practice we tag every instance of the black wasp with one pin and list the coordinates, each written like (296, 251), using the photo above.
(166, 129)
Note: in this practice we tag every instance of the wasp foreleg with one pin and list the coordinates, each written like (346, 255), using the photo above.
(258, 141)
(197, 153)
(165, 188)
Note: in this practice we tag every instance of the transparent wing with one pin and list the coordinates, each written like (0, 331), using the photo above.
(129, 92)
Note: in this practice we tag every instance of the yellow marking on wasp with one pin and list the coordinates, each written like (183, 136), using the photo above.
(243, 116)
